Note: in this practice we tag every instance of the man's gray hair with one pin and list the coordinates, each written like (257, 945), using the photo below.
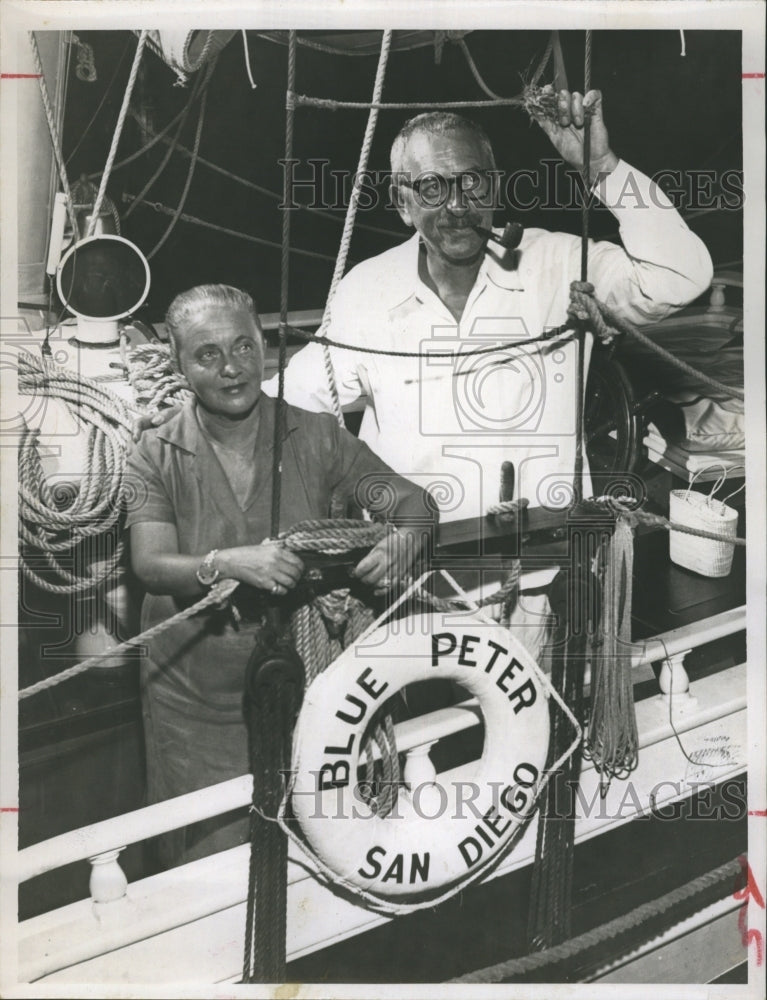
(187, 304)
(436, 123)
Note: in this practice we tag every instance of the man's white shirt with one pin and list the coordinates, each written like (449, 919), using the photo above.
(448, 423)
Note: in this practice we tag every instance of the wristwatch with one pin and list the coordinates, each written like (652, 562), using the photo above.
(207, 573)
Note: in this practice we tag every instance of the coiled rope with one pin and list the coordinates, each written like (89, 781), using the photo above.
(154, 381)
(55, 520)
(505, 971)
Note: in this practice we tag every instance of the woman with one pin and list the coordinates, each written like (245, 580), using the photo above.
(204, 487)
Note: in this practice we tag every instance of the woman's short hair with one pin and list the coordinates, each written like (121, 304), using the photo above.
(187, 304)
(436, 123)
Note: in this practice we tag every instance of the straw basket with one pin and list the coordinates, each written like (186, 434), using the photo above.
(707, 556)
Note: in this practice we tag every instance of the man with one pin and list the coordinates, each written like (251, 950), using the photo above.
(450, 424)
(203, 484)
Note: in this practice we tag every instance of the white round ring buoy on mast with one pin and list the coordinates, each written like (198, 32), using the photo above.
(440, 834)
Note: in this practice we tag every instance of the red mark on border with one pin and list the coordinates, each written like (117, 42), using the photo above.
(9, 809)
(752, 76)
(19, 76)
(757, 812)
(749, 891)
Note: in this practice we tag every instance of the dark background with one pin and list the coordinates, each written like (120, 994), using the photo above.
(663, 111)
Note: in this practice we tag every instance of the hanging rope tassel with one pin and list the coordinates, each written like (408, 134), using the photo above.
(549, 920)
(612, 742)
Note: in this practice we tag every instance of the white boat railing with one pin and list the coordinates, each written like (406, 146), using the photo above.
(102, 842)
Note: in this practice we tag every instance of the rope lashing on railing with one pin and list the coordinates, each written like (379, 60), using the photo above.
(348, 230)
(607, 325)
(56, 519)
(505, 971)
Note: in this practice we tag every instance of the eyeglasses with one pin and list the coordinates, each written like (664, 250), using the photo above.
(433, 189)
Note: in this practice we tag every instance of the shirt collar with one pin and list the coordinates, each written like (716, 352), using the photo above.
(502, 269)
(183, 429)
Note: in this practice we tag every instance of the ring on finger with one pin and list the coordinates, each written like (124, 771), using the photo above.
(276, 589)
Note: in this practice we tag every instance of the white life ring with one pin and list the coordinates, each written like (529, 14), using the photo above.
(442, 835)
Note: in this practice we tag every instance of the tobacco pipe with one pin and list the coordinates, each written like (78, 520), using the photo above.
(509, 239)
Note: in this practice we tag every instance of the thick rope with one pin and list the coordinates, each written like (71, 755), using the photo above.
(658, 521)
(303, 100)
(547, 335)
(606, 325)
(348, 230)
(53, 131)
(217, 595)
(117, 132)
(505, 971)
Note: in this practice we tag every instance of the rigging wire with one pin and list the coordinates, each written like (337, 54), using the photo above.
(172, 144)
(189, 176)
(100, 104)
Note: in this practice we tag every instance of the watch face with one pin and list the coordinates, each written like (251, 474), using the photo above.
(207, 573)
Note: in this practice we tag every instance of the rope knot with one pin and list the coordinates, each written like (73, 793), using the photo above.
(584, 306)
(290, 100)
